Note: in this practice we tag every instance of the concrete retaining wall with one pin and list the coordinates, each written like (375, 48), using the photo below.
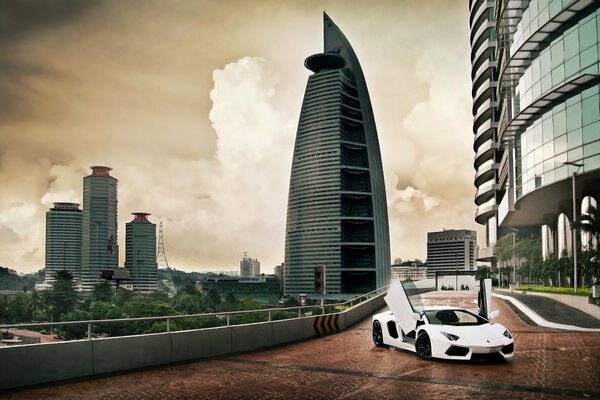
(36, 363)
(47, 362)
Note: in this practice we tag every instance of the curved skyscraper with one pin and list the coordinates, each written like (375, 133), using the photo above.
(337, 210)
(536, 117)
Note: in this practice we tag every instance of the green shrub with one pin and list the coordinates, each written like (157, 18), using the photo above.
(557, 290)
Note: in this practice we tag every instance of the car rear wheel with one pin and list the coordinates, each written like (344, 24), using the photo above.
(377, 334)
(423, 346)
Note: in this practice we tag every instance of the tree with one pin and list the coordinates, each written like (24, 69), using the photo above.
(482, 272)
(103, 292)
(35, 303)
(213, 300)
(63, 297)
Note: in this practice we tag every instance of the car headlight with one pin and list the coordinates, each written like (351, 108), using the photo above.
(450, 336)
(507, 334)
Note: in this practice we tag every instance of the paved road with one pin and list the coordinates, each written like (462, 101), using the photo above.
(555, 311)
(547, 364)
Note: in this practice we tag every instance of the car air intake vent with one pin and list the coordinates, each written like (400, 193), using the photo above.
(457, 351)
(508, 349)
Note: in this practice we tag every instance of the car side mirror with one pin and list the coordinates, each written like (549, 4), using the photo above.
(415, 316)
(494, 314)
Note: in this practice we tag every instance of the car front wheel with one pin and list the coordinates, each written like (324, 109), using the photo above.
(377, 334)
(423, 346)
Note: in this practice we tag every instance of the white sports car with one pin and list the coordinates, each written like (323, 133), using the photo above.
(441, 332)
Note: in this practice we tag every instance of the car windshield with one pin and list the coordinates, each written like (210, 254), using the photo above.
(454, 317)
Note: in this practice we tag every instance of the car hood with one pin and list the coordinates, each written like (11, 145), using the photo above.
(474, 334)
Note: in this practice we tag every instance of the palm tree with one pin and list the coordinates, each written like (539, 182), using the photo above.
(35, 302)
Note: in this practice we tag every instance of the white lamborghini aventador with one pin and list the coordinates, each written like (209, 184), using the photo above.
(441, 332)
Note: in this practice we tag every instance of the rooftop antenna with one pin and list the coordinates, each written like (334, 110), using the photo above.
(161, 256)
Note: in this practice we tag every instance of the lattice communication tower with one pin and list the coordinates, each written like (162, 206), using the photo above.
(161, 256)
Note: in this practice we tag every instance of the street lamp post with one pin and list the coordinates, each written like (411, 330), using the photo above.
(578, 165)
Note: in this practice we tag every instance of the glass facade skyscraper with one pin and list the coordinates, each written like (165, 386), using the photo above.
(140, 253)
(535, 74)
(63, 240)
(99, 248)
(337, 210)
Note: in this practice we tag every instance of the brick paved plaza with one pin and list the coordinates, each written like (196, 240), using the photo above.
(548, 364)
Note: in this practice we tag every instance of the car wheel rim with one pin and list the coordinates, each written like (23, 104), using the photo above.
(377, 334)
(423, 346)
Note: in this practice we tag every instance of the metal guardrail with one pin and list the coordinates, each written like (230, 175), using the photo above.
(303, 311)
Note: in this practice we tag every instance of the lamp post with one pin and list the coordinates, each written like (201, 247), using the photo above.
(578, 165)
(514, 232)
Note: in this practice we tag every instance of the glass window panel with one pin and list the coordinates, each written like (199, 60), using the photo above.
(572, 66)
(558, 75)
(589, 56)
(546, 83)
(573, 117)
(573, 99)
(535, 70)
(574, 138)
(544, 14)
(591, 149)
(560, 123)
(548, 177)
(587, 34)
(537, 135)
(592, 163)
(548, 150)
(591, 132)
(590, 109)
(555, 6)
(575, 154)
(557, 54)
(561, 172)
(547, 132)
(533, 8)
(529, 139)
(590, 92)
(527, 79)
(571, 44)
(538, 156)
(536, 90)
(560, 144)
(545, 63)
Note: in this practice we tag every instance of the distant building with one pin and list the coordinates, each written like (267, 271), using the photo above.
(413, 270)
(249, 267)
(99, 247)
(63, 240)
(451, 250)
(279, 272)
(140, 253)
(263, 289)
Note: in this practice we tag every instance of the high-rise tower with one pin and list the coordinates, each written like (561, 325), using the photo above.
(63, 240)
(140, 252)
(99, 249)
(536, 117)
(337, 210)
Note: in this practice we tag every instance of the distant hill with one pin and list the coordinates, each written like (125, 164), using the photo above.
(11, 280)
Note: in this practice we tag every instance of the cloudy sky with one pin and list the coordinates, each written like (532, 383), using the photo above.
(195, 103)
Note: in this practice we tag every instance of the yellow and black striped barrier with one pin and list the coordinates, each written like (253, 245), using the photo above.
(326, 324)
